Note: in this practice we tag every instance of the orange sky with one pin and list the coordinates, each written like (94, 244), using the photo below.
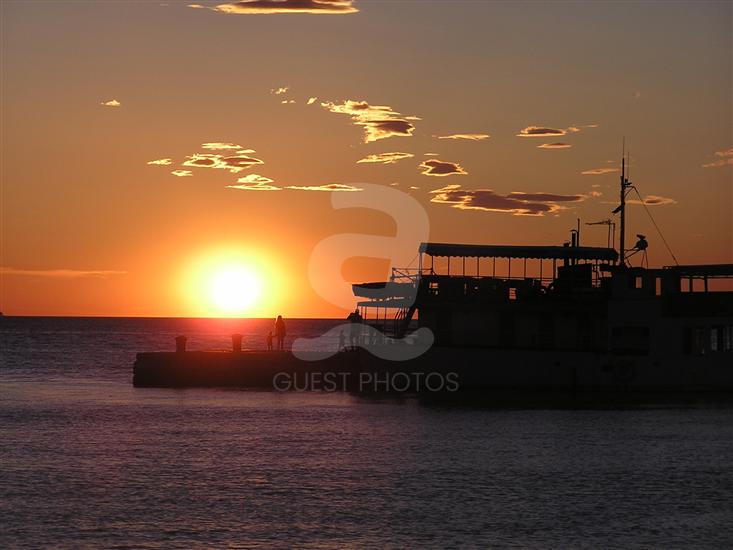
(89, 227)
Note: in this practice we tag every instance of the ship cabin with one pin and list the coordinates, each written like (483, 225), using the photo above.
(570, 298)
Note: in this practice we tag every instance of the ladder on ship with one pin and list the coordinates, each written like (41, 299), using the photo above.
(402, 320)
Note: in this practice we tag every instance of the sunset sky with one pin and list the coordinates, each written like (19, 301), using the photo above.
(149, 148)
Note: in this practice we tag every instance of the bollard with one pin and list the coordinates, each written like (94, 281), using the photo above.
(236, 342)
(180, 344)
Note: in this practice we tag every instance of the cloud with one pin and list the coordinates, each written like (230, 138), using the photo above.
(385, 158)
(517, 203)
(435, 167)
(233, 163)
(62, 273)
(111, 103)
(182, 173)
(723, 158)
(556, 145)
(220, 146)
(431, 154)
(540, 131)
(653, 200)
(254, 178)
(255, 187)
(324, 7)
(287, 101)
(599, 171)
(472, 137)
(255, 182)
(326, 187)
(281, 90)
(379, 121)
(161, 162)
(312, 100)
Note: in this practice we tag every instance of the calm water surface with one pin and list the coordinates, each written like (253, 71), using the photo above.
(89, 461)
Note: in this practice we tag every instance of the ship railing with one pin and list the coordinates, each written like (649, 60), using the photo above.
(411, 274)
(544, 279)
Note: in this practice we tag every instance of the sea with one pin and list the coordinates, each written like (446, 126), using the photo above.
(89, 461)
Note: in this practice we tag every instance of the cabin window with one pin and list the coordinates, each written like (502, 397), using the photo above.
(721, 338)
(658, 286)
(638, 282)
(698, 341)
(714, 339)
(726, 338)
(433, 288)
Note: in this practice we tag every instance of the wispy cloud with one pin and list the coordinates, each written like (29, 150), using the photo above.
(653, 200)
(312, 100)
(556, 145)
(543, 131)
(317, 7)
(385, 158)
(379, 121)
(325, 187)
(234, 163)
(111, 103)
(599, 171)
(61, 273)
(161, 162)
(517, 203)
(472, 137)
(723, 158)
(222, 146)
(281, 90)
(254, 178)
(255, 187)
(182, 173)
(435, 167)
(287, 101)
(255, 182)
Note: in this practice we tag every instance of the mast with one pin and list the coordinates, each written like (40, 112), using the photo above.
(622, 210)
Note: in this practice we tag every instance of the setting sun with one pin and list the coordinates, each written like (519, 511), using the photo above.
(234, 289)
(230, 283)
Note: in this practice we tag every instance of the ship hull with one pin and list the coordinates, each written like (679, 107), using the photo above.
(514, 375)
(537, 370)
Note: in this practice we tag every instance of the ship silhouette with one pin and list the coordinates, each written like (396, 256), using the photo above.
(566, 319)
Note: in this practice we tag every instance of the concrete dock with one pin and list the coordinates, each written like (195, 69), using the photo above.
(246, 369)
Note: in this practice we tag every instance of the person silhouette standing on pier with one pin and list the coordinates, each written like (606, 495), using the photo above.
(269, 341)
(280, 332)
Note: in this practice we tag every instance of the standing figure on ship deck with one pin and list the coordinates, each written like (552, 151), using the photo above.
(280, 332)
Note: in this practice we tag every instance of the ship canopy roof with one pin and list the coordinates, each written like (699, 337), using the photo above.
(506, 251)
